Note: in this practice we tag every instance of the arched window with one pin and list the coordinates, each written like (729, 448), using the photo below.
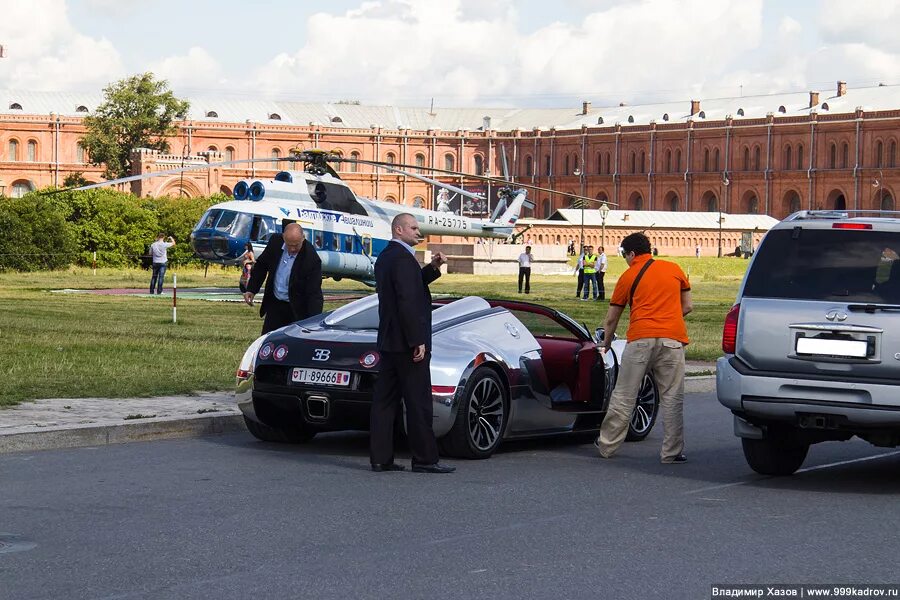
(15, 106)
(32, 151)
(274, 117)
(794, 204)
(746, 159)
(799, 156)
(449, 162)
(712, 204)
(211, 114)
(643, 162)
(354, 166)
(638, 203)
(608, 166)
(13, 150)
(673, 204)
(678, 160)
(390, 158)
(717, 160)
(81, 109)
(276, 154)
(845, 155)
(575, 165)
(529, 166)
(420, 162)
(832, 160)
(879, 154)
(547, 166)
(706, 160)
(756, 163)
(546, 208)
(419, 202)
(787, 158)
(79, 153)
(892, 154)
(20, 188)
(599, 163)
(887, 202)
(479, 164)
(391, 199)
(212, 149)
(668, 161)
(229, 153)
(566, 167)
(753, 206)
(633, 162)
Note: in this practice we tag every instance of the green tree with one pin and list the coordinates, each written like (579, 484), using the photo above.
(34, 234)
(178, 217)
(137, 112)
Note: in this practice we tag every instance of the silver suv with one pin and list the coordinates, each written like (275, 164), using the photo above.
(812, 345)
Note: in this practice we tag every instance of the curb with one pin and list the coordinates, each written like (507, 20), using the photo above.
(118, 433)
(700, 384)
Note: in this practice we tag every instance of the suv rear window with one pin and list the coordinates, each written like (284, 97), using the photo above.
(837, 265)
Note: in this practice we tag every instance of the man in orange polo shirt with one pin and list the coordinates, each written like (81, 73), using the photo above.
(660, 297)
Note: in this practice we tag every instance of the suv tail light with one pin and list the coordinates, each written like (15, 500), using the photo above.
(729, 331)
(851, 226)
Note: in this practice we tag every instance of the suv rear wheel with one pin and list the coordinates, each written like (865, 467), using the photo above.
(775, 454)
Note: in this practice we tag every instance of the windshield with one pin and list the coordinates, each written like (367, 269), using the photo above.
(234, 223)
(837, 265)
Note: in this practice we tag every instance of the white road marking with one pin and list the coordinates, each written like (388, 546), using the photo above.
(807, 470)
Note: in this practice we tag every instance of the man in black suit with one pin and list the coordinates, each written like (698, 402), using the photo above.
(404, 343)
(293, 274)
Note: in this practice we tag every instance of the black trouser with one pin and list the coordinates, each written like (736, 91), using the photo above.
(600, 275)
(525, 273)
(580, 283)
(278, 314)
(400, 377)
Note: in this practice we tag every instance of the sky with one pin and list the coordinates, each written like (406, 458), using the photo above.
(547, 53)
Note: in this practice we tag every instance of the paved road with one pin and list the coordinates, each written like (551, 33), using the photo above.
(228, 517)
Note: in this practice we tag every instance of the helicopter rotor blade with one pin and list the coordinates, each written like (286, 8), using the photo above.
(504, 164)
(447, 186)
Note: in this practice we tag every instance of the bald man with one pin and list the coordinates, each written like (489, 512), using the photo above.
(293, 275)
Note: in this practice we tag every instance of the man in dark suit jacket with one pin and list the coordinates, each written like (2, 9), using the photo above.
(293, 274)
(404, 343)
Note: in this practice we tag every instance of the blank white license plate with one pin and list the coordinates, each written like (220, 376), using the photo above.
(850, 348)
(320, 376)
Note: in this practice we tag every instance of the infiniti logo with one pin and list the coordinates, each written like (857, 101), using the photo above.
(835, 314)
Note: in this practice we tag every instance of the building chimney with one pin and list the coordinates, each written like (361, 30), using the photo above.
(486, 123)
(841, 88)
(695, 107)
(813, 99)
(585, 107)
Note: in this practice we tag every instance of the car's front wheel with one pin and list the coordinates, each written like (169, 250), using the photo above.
(775, 454)
(290, 435)
(645, 411)
(480, 417)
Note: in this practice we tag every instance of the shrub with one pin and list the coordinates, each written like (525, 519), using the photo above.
(34, 234)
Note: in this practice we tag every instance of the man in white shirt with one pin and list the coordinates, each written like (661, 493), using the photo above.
(525, 260)
(158, 252)
(602, 263)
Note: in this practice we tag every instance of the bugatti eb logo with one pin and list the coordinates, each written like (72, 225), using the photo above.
(321, 354)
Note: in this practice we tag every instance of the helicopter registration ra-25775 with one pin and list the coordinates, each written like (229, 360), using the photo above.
(348, 231)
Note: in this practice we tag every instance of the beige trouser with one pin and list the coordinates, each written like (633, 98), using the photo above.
(664, 357)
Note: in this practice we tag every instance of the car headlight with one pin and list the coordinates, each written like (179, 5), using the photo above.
(248, 362)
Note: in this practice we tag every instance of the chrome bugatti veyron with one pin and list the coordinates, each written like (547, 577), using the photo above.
(500, 370)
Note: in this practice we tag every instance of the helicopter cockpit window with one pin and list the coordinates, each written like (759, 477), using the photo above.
(210, 218)
(262, 229)
(233, 223)
(348, 243)
(330, 196)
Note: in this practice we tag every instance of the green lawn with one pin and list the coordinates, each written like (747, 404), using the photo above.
(77, 345)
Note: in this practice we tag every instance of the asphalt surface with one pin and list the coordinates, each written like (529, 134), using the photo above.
(230, 517)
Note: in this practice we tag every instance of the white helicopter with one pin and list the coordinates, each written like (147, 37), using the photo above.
(348, 231)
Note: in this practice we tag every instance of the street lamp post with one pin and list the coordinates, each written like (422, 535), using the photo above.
(577, 173)
(604, 212)
(879, 183)
(724, 185)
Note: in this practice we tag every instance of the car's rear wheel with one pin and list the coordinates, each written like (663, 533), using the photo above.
(291, 435)
(480, 417)
(775, 454)
(645, 411)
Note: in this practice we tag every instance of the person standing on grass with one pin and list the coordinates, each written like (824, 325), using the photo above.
(660, 296)
(579, 271)
(602, 264)
(159, 255)
(590, 272)
(525, 260)
(246, 266)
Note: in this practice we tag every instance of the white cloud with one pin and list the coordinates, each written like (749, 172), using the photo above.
(196, 69)
(789, 27)
(44, 52)
(394, 50)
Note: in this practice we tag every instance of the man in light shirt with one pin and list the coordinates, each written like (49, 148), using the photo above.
(525, 260)
(602, 264)
(159, 254)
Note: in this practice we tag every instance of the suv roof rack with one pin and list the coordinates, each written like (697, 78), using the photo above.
(842, 214)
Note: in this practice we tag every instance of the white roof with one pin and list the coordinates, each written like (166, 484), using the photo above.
(240, 110)
(656, 219)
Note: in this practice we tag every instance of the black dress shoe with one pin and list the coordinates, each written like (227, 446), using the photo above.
(387, 467)
(435, 468)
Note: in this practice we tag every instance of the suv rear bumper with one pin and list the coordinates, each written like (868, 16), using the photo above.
(774, 397)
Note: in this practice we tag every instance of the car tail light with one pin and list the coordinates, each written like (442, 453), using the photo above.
(443, 389)
(729, 331)
(851, 226)
(243, 374)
